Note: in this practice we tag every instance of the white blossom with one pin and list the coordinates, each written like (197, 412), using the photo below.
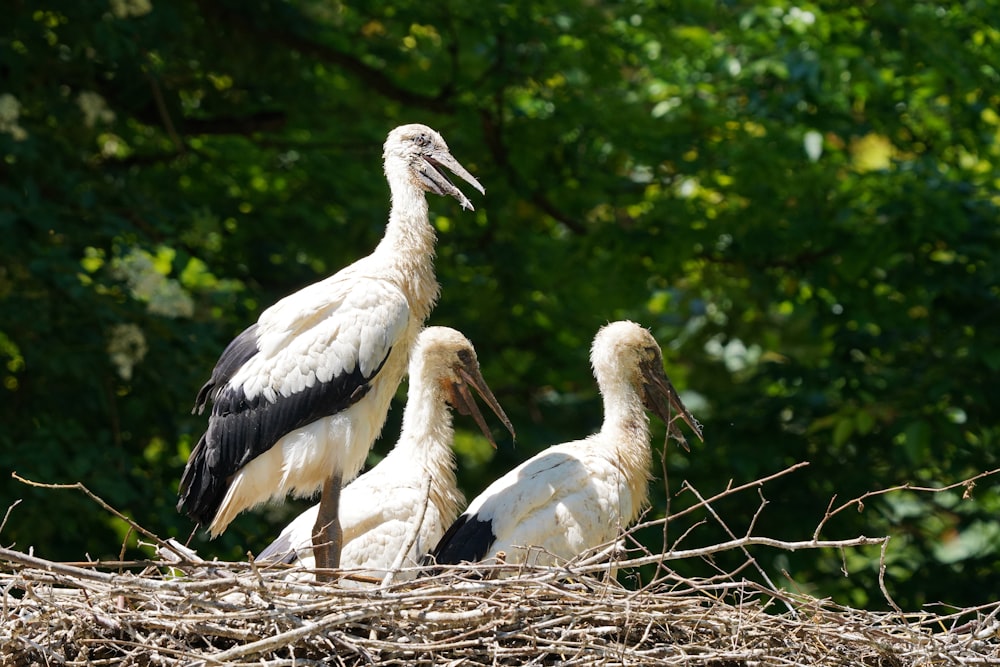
(812, 143)
(10, 111)
(123, 9)
(126, 348)
(95, 109)
(163, 296)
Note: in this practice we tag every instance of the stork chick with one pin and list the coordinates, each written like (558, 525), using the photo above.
(578, 495)
(299, 396)
(397, 511)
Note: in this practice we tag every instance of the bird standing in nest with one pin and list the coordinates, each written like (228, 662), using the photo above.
(299, 397)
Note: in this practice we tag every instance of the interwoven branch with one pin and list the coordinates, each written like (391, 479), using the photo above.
(194, 612)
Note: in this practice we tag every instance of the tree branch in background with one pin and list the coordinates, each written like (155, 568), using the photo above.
(373, 78)
(161, 108)
(493, 134)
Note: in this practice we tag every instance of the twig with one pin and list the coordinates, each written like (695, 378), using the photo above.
(161, 108)
(730, 490)
(288, 637)
(124, 580)
(725, 527)
(968, 483)
(6, 515)
(78, 486)
(746, 542)
(474, 615)
(881, 577)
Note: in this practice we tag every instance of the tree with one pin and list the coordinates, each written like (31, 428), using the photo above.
(800, 201)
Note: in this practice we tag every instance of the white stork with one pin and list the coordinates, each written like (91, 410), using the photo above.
(299, 397)
(397, 511)
(578, 495)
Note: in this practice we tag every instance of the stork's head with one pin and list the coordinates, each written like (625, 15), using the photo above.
(624, 352)
(446, 358)
(422, 152)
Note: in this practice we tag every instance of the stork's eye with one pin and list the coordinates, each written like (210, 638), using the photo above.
(423, 140)
(648, 358)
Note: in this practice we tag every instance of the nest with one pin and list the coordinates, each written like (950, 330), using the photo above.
(237, 614)
(180, 610)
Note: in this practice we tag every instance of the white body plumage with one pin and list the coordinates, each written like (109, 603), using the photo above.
(349, 323)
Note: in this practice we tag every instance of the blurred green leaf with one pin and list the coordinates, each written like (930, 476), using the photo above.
(160, 186)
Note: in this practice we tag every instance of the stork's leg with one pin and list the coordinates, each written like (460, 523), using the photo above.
(327, 535)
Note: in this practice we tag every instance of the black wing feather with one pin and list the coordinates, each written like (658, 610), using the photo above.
(467, 540)
(239, 351)
(241, 429)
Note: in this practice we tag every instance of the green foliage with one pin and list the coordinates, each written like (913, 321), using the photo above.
(800, 201)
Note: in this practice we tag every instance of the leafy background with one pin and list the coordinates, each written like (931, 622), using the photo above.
(799, 200)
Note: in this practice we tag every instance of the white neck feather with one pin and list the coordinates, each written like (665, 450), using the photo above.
(408, 245)
(626, 432)
(425, 443)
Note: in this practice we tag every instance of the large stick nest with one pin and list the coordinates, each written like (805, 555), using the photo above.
(180, 610)
(236, 614)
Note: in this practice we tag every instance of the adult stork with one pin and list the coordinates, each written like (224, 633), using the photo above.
(397, 511)
(578, 495)
(299, 396)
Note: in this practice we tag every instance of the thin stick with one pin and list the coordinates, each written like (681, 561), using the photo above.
(144, 583)
(289, 636)
(725, 527)
(969, 484)
(739, 544)
(881, 578)
(7, 514)
(730, 490)
(78, 486)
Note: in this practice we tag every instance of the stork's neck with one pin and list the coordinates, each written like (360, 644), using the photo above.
(408, 246)
(424, 446)
(626, 433)
(624, 412)
(427, 432)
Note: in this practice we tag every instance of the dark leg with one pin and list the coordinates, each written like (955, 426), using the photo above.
(327, 535)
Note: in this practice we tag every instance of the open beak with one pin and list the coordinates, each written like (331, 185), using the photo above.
(437, 181)
(662, 399)
(465, 403)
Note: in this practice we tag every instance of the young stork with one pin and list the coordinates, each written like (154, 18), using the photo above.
(299, 397)
(396, 512)
(578, 495)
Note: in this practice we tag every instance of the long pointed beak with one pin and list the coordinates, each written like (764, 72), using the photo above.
(662, 399)
(465, 403)
(438, 182)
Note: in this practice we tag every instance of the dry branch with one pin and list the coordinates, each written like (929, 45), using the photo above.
(187, 611)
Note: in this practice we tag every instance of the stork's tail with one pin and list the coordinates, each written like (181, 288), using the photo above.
(200, 492)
